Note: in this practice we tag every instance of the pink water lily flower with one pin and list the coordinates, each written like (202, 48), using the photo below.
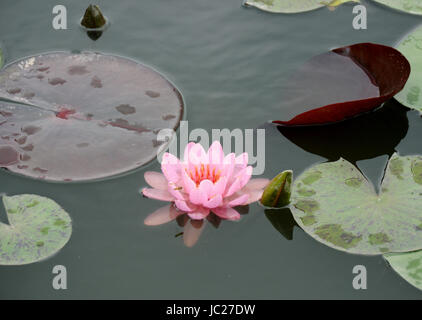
(203, 182)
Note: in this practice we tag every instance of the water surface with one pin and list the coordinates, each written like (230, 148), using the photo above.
(231, 65)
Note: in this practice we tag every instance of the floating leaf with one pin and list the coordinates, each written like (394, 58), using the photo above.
(332, 5)
(368, 136)
(277, 193)
(38, 228)
(409, 6)
(343, 83)
(285, 6)
(408, 265)
(336, 205)
(82, 116)
(411, 48)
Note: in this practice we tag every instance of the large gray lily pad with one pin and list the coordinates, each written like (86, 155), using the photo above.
(285, 6)
(82, 116)
(411, 48)
(38, 228)
(338, 206)
(409, 6)
(408, 265)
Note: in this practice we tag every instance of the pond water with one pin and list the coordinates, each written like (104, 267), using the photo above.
(231, 64)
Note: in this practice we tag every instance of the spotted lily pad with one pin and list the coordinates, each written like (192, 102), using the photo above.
(343, 83)
(338, 206)
(82, 116)
(409, 6)
(411, 48)
(38, 228)
(408, 265)
(285, 6)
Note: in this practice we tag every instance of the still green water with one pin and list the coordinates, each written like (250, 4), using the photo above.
(231, 64)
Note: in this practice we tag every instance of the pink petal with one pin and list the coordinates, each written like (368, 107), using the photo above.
(196, 196)
(206, 187)
(157, 194)
(229, 164)
(199, 214)
(242, 160)
(239, 201)
(184, 206)
(227, 213)
(187, 150)
(214, 202)
(197, 155)
(240, 181)
(192, 232)
(162, 215)
(171, 168)
(254, 195)
(176, 191)
(219, 186)
(256, 184)
(215, 153)
(188, 184)
(156, 180)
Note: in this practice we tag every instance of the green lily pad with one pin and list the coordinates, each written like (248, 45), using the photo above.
(409, 6)
(338, 206)
(411, 48)
(38, 228)
(285, 6)
(408, 265)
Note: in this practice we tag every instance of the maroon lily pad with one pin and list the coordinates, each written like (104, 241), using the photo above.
(343, 83)
(82, 116)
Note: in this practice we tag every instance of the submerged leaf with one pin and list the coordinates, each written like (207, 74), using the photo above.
(38, 228)
(343, 83)
(336, 205)
(411, 48)
(408, 265)
(277, 193)
(409, 6)
(285, 6)
(82, 116)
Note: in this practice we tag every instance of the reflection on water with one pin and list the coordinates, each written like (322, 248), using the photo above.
(364, 137)
(192, 229)
(282, 220)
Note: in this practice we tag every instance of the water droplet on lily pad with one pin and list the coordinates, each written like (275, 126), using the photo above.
(74, 130)
(343, 211)
(38, 228)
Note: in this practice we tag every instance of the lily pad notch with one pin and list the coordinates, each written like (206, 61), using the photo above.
(336, 205)
(38, 228)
